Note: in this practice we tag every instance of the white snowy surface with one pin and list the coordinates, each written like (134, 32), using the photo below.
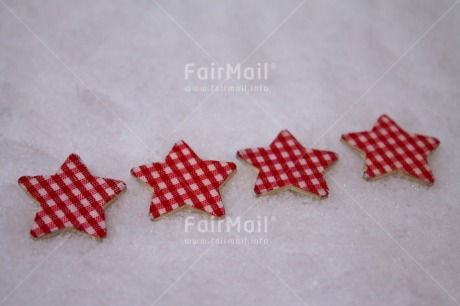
(105, 79)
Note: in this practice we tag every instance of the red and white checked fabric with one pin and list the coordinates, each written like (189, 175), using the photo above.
(183, 179)
(71, 199)
(388, 148)
(286, 163)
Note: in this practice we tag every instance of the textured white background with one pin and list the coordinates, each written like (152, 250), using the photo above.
(105, 80)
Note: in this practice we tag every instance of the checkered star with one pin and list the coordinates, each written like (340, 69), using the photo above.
(388, 148)
(287, 164)
(72, 198)
(184, 180)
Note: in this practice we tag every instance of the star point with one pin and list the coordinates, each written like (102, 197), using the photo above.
(72, 198)
(185, 180)
(286, 164)
(387, 149)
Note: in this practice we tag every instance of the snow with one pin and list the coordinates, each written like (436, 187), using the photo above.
(106, 80)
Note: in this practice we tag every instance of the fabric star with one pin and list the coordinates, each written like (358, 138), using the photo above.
(71, 199)
(287, 164)
(184, 180)
(388, 148)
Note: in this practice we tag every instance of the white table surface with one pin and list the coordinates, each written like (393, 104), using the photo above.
(105, 80)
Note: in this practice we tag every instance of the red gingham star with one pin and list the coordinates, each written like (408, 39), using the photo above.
(388, 148)
(71, 199)
(287, 164)
(182, 180)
